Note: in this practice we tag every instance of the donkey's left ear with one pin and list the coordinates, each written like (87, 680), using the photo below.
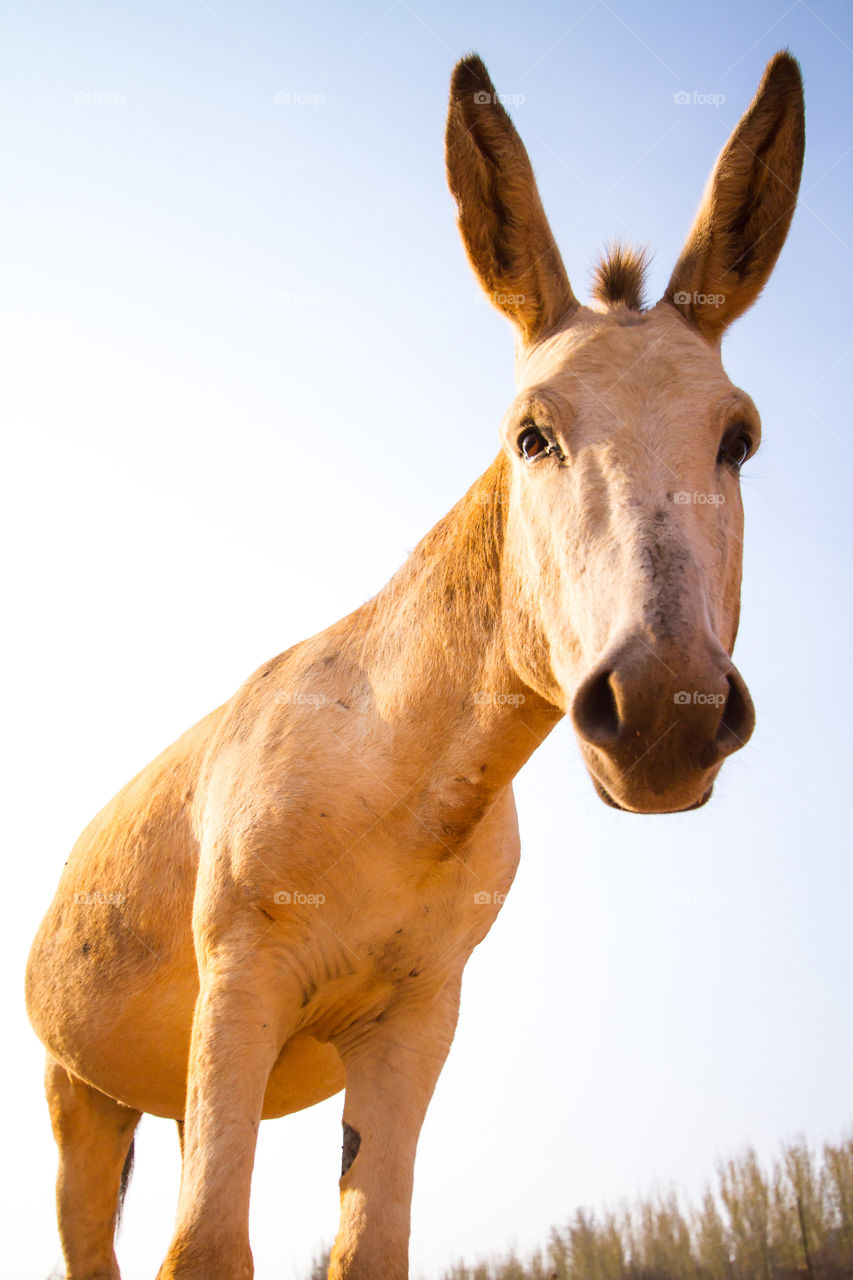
(747, 208)
(503, 225)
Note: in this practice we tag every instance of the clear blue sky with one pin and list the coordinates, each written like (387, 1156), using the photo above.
(246, 367)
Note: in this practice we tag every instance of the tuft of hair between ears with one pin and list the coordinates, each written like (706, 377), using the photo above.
(619, 276)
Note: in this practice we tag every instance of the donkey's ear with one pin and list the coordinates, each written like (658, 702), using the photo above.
(747, 207)
(503, 224)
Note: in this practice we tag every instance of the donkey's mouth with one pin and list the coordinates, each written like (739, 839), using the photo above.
(614, 804)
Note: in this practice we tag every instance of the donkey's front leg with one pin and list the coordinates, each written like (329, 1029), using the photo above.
(242, 1018)
(391, 1074)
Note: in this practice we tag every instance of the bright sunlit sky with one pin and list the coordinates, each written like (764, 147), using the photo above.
(246, 368)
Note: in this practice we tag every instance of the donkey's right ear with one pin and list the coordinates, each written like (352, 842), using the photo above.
(747, 208)
(503, 224)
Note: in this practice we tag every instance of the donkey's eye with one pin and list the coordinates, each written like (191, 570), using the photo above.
(735, 449)
(532, 445)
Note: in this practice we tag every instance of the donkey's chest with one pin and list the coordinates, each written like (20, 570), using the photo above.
(443, 816)
(396, 923)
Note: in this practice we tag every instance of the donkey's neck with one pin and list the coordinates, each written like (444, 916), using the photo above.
(432, 644)
(435, 629)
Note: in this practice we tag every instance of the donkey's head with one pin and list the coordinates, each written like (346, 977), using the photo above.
(622, 552)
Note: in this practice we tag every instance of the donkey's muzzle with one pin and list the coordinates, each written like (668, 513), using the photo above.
(655, 724)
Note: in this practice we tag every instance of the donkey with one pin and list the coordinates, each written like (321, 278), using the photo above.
(282, 904)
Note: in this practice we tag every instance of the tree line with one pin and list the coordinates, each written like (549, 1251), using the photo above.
(791, 1222)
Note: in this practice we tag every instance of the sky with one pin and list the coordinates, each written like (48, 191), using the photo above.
(246, 367)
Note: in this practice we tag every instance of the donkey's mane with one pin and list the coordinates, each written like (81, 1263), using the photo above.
(619, 276)
(455, 569)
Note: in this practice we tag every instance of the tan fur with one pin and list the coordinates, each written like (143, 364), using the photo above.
(284, 901)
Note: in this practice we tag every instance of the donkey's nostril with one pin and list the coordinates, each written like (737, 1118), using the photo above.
(738, 719)
(595, 712)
